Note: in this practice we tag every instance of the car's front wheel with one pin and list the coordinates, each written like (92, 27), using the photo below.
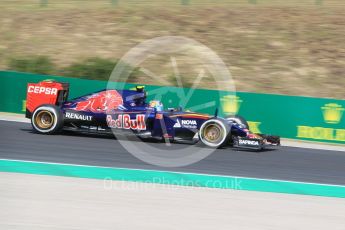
(214, 133)
(47, 119)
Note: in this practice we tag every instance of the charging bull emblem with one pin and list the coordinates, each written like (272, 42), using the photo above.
(101, 102)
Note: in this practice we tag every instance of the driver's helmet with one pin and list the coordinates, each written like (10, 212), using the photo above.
(157, 105)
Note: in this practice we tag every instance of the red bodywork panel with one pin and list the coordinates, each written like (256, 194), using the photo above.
(45, 92)
(101, 102)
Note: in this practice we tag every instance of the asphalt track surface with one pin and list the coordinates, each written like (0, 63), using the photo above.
(18, 142)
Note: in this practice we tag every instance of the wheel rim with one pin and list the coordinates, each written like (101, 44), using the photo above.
(212, 133)
(44, 119)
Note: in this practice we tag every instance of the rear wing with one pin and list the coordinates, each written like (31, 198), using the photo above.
(45, 92)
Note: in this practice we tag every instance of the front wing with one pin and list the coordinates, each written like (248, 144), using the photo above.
(256, 143)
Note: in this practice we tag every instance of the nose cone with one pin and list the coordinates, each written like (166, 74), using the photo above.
(237, 130)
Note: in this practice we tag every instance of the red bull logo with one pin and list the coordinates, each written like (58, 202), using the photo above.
(125, 122)
(101, 102)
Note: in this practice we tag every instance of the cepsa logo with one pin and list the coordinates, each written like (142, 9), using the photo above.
(125, 122)
(332, 114)
(101, 102)
(42, 90)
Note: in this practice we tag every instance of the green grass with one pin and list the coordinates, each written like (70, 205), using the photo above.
(37, 64)
(274, 46)
(99, 4)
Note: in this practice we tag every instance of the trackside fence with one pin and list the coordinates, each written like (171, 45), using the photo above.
(295, 117)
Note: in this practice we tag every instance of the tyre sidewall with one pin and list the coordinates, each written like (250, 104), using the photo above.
(226, 131)
(58, 119)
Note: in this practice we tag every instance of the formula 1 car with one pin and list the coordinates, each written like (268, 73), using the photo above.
(109, 111)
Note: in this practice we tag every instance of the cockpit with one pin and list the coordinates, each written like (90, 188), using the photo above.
(158, 105)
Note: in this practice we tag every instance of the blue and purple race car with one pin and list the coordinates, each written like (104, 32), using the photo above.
(127, 111)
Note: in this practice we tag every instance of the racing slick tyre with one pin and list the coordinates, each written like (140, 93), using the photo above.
(239, 120)
(214, 133)
(47, 119)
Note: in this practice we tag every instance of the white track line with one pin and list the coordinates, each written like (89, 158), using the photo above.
(14, 117)
(310, 145)
(182, 173)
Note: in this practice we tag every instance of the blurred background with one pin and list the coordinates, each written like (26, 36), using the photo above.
(270, 46)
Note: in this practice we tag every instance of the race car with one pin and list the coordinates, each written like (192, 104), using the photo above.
(112, 111)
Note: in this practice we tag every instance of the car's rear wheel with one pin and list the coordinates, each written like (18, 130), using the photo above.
(47, 119)
(214, 133)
